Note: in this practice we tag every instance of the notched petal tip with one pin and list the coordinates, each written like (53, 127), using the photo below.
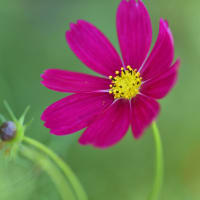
(136, 2)
(74, 25)
(164, 24)
(45, 72)
(42, 75)
(82, 21)
(167, 23)
(177, 64)
(140, 2)
(137, 136)
(42, 82)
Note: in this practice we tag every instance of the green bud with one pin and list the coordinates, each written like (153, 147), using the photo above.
(12, 132)
(8, 131)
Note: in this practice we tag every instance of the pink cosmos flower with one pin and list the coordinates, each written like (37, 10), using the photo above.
(126, 94)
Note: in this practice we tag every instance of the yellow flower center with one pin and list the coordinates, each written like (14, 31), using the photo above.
(126, 83)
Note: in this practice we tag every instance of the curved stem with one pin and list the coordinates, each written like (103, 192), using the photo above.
(80, 193)
(154, 195)
(55, 174)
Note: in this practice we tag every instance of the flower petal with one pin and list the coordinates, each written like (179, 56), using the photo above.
(110, 127)
(143, 111)
(75, 112)
(162, 54)
(74, 82)
(93, 48)
(134, 32)
(160, 86)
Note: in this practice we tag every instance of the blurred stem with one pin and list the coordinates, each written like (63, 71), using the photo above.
(2, 119)
(55, 174)
(78, 189)
(154, 195)
(12, 115)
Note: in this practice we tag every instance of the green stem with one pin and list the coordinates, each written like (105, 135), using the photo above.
(80, 193)
(12, 115)
(2, 118)
(55, 174)
(154, 195)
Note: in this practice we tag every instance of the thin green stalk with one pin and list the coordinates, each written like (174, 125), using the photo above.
(78, 189)
(2, 118)
(10, 111)
(53, 172)
(154, 195)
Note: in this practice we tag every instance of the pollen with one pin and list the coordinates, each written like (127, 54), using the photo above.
(126, 83)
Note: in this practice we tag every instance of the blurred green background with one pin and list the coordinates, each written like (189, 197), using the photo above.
(32, 39)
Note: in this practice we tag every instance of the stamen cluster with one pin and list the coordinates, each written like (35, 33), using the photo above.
(126, 83)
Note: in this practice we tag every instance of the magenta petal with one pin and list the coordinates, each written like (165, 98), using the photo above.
(110, 127)
(75, 112)
(159, 86)
(144, 111)
(74, 82)
(93, 48)
(134, 32)
(162, 54)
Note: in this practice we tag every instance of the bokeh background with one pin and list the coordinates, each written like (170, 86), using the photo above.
(32, 39)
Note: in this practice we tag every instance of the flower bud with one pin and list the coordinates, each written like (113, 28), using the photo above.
(8, 131)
